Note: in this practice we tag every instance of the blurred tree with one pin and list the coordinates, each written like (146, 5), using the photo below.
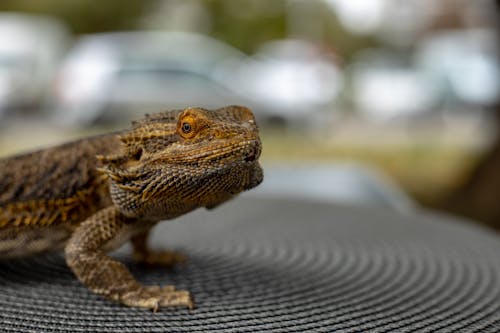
(85, 16)
(479, 196)
(247, 24)
(244, 24)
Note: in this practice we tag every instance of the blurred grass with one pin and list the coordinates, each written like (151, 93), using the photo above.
(426, 171)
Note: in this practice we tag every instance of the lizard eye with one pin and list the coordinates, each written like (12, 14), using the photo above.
(186, 128)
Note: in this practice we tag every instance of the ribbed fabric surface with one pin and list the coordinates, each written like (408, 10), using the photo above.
(284, 266)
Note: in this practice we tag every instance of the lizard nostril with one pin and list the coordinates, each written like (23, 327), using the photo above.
(250, 157)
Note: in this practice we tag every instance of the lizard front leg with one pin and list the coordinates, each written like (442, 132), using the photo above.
(85, 255)
(144, 255)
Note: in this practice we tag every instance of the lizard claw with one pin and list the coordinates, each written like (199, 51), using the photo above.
(156, 297)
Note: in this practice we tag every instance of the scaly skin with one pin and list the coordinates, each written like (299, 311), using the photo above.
(92, 195)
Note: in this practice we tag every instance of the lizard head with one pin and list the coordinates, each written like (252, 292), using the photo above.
(175, 161)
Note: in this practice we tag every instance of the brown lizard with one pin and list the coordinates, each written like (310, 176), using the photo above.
(92, 195)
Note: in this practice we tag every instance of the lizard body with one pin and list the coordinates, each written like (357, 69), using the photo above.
(92, 195)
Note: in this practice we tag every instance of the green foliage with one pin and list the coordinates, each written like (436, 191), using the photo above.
(244, 24)
(247, 24)
(85, 16)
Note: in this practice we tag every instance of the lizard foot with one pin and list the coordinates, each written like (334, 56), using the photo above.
(156, 297)
(163, 258)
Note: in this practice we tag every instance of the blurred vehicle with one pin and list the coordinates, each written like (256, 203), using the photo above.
(31, 48)
(385, 86)
(455, 69)
(464, 63)
(115, 76)
(347, 183)
(293, 80)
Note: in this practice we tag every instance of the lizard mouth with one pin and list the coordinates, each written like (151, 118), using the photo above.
(248, 152)
(244, 151)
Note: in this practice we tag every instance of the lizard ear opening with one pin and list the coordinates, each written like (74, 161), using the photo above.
(133, 159)
(137, 155)
(118, 164)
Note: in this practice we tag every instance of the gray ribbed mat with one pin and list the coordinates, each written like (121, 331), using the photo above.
(284, 266)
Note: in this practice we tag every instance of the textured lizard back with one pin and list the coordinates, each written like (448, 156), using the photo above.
(53, 185)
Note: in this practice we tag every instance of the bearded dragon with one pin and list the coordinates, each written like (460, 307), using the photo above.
(90, 196)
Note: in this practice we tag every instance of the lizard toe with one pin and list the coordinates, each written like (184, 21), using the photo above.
(156, 297)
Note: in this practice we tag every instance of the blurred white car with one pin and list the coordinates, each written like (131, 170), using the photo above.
(386, 93)
(292, 80)
(454, 70)
(118, 75)
(347, 183)
(31, 48)
(465, 64)
(385, 86)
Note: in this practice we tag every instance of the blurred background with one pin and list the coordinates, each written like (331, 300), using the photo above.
(387, 103)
